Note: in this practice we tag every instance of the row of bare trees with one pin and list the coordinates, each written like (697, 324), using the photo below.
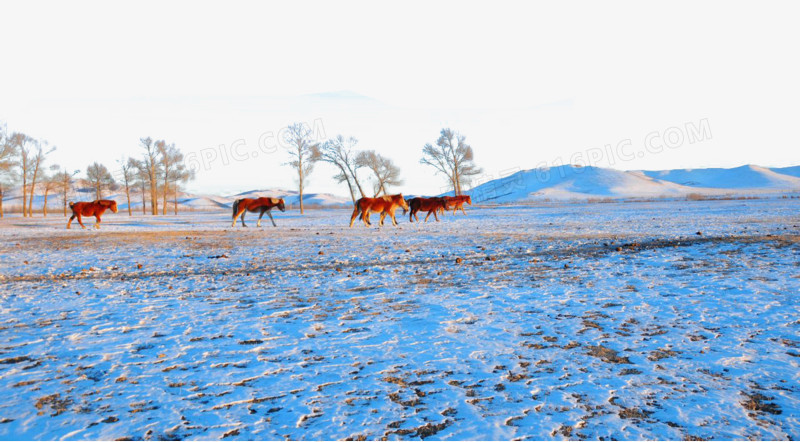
(450, 156)
(23, 159)
(159, 170)
(341, 153)
(158, 173)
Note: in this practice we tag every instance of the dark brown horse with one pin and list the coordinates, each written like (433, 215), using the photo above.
(260, 205)
(386, 204)
(457, 202)
(94, 208)
(430, 205)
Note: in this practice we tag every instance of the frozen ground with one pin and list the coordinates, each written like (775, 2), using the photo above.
(558, 322)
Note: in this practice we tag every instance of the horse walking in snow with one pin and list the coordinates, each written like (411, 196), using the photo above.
(94, 208)
(385, 205)
(260, 205)
(457, 202)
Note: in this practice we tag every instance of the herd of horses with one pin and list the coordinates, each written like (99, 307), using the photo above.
(383, 205)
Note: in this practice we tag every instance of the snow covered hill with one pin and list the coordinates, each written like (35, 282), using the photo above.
(582, 183)
(744, 177)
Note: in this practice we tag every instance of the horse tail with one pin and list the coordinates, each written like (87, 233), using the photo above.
(356, 210)
(235, 208)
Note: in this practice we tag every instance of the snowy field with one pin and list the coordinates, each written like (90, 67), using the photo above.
(664, 320)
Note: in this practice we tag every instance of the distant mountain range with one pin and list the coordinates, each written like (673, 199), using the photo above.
(555, 183)
(583, 183)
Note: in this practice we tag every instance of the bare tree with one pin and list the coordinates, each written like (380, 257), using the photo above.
(37, 162)
(142, 180)
(7, 163)
(151, 164)
(340, 152)
(451, 156)
(171, 161)
(385, 171)
(128, 175)
(64, 180)
(180, 175)
(24, 149)
(100, 178)
(50, 183)
(303, 152)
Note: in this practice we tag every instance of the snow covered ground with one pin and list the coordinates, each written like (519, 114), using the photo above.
(666, 320)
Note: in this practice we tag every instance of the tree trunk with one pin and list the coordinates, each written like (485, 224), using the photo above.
(24, 195)
(44, 208)
(128, 196)
(33, 191)
(1, 202)
(166, 190)
(153, 194)
(97, 193)
(355, 179)
(176, 200)
(30, 200)
(65, 204)
(144, 202)
(300, 174)
(352, 194)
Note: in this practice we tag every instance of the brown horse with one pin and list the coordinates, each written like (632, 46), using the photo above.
(457, 202)
(259, 205)
(386, 204)
(431, 205)
(94, 208)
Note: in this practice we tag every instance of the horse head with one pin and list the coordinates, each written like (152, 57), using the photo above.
(469, 200)
(402, 202)
(281, 205)
(111, 204)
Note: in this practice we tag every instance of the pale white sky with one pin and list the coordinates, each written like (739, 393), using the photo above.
(528, 83)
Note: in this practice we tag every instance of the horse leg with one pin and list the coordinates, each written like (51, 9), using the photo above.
(70, 220)
(383, 216)
(435, 216)
(258, 224)
(80, 221)
(365, 217)
(97, 221)
(462, 210)
(427, 216)
(269, 212)
(394, 220)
